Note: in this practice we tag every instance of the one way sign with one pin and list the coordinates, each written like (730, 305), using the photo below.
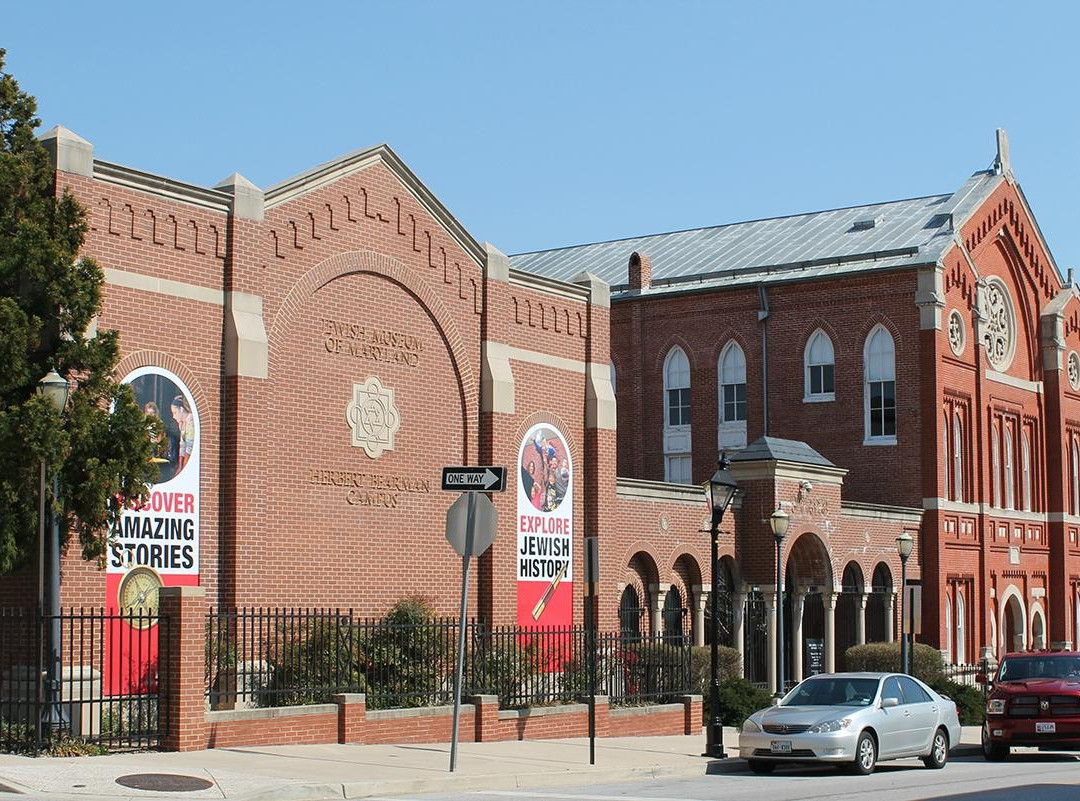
(474, 479)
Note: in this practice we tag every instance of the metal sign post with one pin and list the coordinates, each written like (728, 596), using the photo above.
(471, 523)
(592, 579)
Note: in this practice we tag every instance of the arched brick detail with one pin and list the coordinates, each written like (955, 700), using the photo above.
(872, 322)
(366, 261)
(156, 358)
(671, 342)
(720, 345)
(553, 420)
(687, 563)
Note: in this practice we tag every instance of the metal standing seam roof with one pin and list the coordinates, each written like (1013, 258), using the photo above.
(798, 247)
(782, 450)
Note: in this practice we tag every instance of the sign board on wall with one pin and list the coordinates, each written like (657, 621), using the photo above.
(155, 544)
(545, 506)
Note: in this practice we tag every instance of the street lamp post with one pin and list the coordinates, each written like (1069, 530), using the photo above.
(55, 388)
(778, 522)
(721, 489)
(904, 544)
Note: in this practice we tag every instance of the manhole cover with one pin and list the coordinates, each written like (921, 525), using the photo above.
(164, 782)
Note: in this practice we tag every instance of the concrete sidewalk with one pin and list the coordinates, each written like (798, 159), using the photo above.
(311, 772)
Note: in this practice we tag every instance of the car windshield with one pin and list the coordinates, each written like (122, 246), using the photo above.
(1040, 667)
(833, 691)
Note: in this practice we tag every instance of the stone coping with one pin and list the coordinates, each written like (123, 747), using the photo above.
(651, 709)
(266, 713)
(415, 712)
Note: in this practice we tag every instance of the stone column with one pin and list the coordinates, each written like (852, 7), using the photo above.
(890, 603)
(770, 616)
(860, 618)
(828, 600)
(701, 600)
(738, 623)
(659, 593)
(798, 602)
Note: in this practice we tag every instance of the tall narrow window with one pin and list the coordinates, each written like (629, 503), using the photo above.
(958, 457)
(995, 462)
(1074, 486)
(1025, 467)
(819, 364)
(880, 390)
(945, 456)
(1010, 475)
(948, 629)
(677, 461)
(961, 649)
(732, 375)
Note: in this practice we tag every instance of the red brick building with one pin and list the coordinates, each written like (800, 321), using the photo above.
(320, 349)
(928, 347)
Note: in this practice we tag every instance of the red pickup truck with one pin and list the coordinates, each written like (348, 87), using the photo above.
(1034, 699)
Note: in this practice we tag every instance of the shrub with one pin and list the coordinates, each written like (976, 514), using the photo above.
(739, 699)
(505, 667)
(969, 700)
(730, 667)
(317, 658)
(884, 657)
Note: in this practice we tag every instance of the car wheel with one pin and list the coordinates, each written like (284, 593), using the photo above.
(865, 755)
(760, 767)
(993, 752)
(939, 751)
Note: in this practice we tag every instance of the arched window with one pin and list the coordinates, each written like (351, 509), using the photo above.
(630, 615)
(945, 456)
(948, 629)
(1074, 487)
(961, 649)
(673, 617)
(677, 462)
(819, 364)
(1010, 476)
(958, 457)
(995, 462)
(1025, 466)
(732, 375)
(613, 378)
(879, 358)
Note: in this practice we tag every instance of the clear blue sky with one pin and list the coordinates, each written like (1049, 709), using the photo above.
(554, 123)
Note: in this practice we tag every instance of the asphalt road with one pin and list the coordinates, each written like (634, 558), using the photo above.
(1038, 777)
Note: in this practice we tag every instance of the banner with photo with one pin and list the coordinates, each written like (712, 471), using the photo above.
(545, 519)
(156, 543)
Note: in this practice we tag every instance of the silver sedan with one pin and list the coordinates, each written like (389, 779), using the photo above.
(855, 719)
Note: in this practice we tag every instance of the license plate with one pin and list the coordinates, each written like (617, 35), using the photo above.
(780, 746)
(1045, 728)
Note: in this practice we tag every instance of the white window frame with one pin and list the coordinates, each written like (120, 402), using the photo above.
(961, 633)
(1074, 486)
(877, 371)
(948, 629)
(1010, 472)
(995, 464)
(1025, 466)
(958, 457)
(677, 437)
(730, 367)
(809, 396)
(945, 458)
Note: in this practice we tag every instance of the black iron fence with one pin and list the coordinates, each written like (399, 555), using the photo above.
(85, 675)
(275, 657)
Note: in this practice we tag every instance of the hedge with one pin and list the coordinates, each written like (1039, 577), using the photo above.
(925, 661)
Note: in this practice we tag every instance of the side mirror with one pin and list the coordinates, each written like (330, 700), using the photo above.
(888, 703)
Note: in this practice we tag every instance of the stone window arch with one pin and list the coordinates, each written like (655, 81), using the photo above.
(819, 364)
(879, 395)
(1025, 468)
(677, 440)
(1010, 473)
(961, 629)
(995, 463)
(731, 375)
(958, 457)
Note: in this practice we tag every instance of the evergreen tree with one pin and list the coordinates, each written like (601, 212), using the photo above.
(49, 297)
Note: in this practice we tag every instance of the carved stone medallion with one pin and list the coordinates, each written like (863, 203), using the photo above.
(1074, 370)
(373, 417)
(956, 332)
(999, 324)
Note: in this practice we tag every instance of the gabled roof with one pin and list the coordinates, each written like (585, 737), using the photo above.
(765, 449)
(858, 239)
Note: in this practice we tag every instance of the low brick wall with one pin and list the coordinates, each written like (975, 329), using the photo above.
(287, 725)
(421, 725)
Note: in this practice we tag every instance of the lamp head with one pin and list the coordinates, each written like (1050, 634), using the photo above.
(778, 522)
(54, 387)
(904, 543)
(721, 488)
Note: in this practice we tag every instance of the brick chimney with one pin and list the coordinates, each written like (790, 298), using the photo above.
(640, 271)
